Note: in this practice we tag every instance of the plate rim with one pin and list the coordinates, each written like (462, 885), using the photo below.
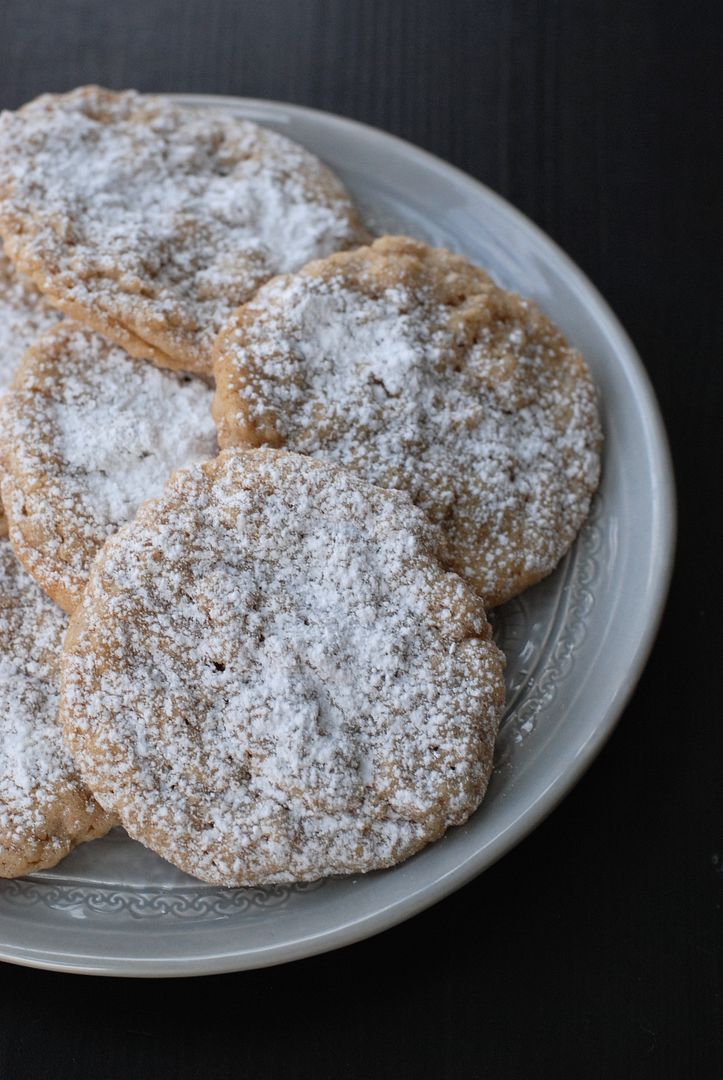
(661, 560)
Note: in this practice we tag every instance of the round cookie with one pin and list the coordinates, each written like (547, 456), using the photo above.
(272, 678)
(45, 809)
(410, 366)
(24, 314)
(151, 221)
(86, 434)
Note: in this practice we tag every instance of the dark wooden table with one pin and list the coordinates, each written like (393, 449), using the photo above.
(592, 950)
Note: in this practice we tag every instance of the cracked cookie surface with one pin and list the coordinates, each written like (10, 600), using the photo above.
(45, 809)
(272, 678)
(151, 221)
(410, 366)
(24, 314)
(87, 433)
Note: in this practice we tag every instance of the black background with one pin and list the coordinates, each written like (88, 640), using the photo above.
(593, 949)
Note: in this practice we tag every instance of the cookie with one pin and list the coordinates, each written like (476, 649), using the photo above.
(410, 366)
(24, 314)
(151, 221)
(86, 434)
(272, 678)
(45, 809)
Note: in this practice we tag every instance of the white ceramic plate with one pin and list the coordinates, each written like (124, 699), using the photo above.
(576, 644)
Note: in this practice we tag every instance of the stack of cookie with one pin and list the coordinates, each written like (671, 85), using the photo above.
(278, 664)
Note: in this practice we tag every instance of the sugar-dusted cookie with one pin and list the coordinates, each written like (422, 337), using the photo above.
(24, 314)
(410, 366)
(150, 221)
(45, 809)
(86, 434)
(271, 677)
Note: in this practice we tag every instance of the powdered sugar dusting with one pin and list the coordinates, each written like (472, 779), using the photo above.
(409, 366)
(38, 780)
(86, 435)
(271, 678)
(24, 314)
(153, 221)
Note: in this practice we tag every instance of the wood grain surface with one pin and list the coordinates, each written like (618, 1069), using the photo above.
(593, 949)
